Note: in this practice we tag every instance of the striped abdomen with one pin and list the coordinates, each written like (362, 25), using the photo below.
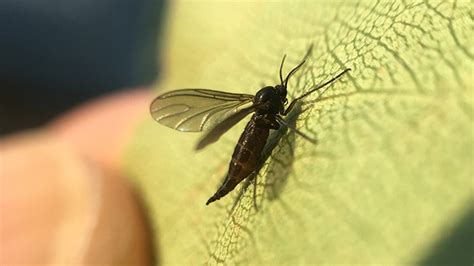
(246, 155)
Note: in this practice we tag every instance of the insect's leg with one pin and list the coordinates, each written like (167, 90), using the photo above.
(284, 123)
(270, 122)
(274, 124)
(251, 177)
(239, 196)
(291, 106)
(255, 192)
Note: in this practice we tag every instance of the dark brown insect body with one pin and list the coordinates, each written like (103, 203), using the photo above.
(246, 154)
(198, 109)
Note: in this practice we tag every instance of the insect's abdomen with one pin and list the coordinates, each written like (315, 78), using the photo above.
(245, 157)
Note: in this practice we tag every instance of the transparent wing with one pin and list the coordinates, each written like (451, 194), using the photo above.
(193, 110)
(219, 129)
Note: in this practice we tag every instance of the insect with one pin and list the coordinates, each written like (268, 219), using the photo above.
(194, 110)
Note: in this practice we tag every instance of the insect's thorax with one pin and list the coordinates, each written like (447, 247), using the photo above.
(273, 102)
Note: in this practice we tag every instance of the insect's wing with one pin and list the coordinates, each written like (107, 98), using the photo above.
(216, 132)
(196, 109)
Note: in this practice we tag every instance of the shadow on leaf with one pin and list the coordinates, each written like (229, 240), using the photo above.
(453, 249)
(279, 167)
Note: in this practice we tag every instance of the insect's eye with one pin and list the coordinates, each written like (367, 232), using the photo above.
(281, 90)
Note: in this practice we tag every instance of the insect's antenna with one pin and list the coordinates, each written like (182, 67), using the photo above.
(315, 89)
(293, 72)
(281, 69)
(325, 83)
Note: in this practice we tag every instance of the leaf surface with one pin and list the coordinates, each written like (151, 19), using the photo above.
(391, 173)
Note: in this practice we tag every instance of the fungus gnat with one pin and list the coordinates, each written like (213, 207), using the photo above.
(194, 110)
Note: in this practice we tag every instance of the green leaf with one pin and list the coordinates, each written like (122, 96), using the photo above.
(390, 177)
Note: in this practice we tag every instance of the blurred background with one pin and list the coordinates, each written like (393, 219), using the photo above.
(55, 54)
(69, 183)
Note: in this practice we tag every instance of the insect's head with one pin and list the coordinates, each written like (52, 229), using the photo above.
(274, 98)
(269, 101)
(281, 91)
(281, 88)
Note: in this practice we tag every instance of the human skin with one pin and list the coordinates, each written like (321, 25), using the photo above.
(64, 198)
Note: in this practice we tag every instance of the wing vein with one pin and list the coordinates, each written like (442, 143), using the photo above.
(196, 109)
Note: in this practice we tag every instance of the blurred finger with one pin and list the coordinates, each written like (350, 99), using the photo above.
(57, 208)
(100, 129)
